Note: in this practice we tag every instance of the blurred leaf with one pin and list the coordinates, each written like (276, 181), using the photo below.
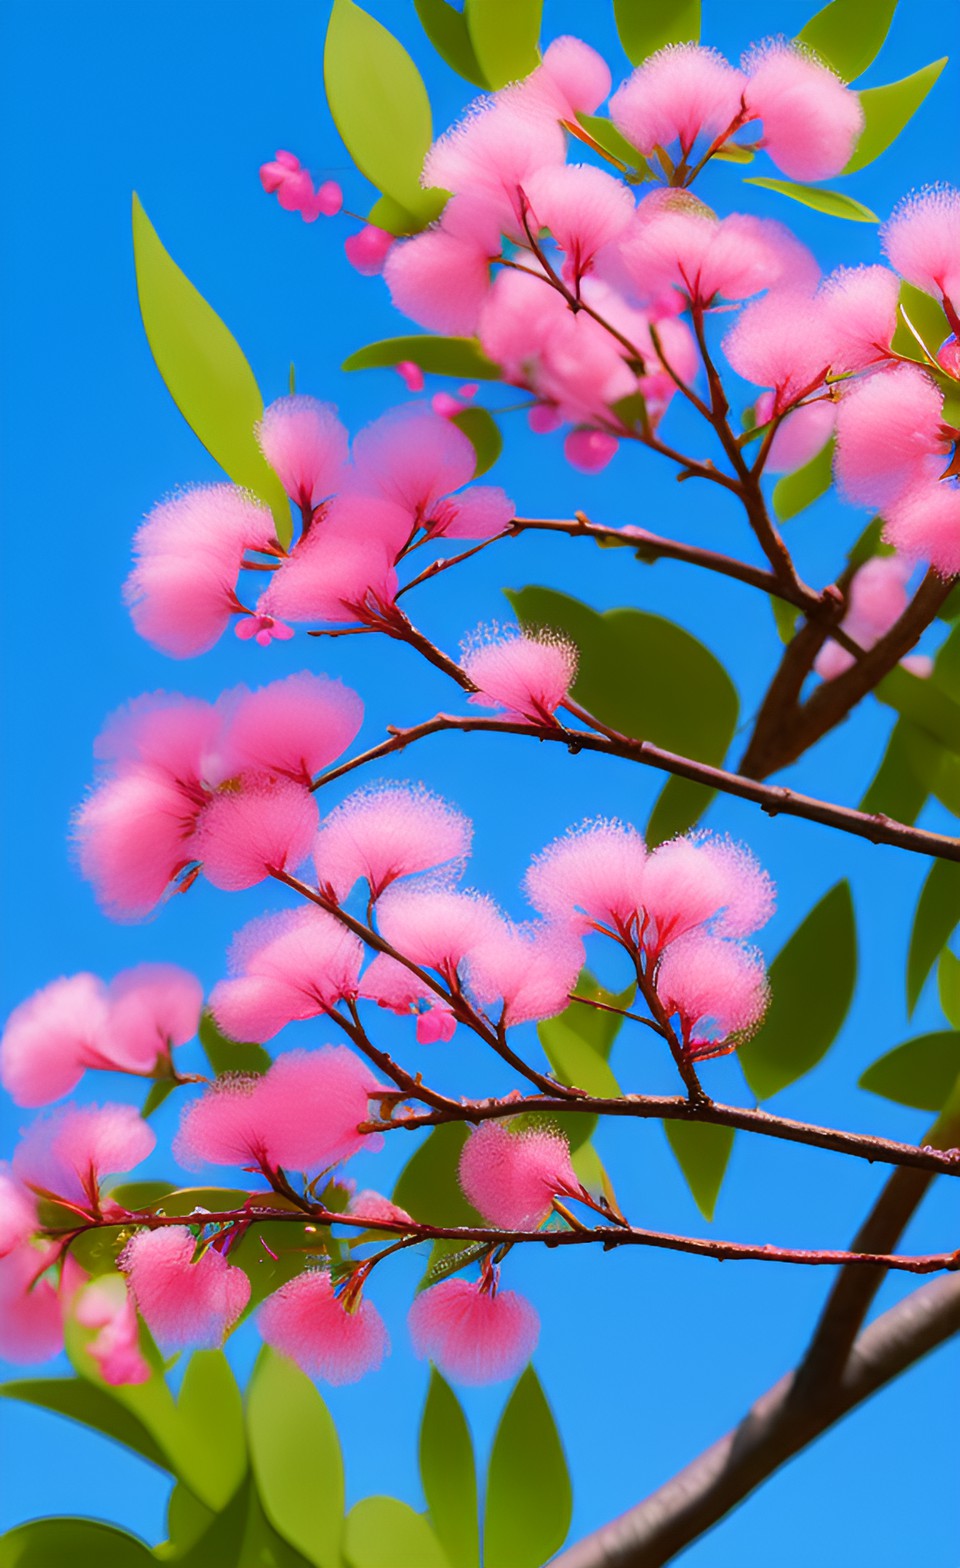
(504, 38)
(97, 1250)
(898, 789)
(483, 433)
(156, 1096)
(429, 1189)
(382, 1532)
(380, 107)
(613, 648)
(812, 981)
(438, 356)
(388, 214)
(948, 986)
(241, 1536)
(262, 1545)
(296, 1458)
(448, 1474)
(79, 1543)
(869, 544)
(211, 1407)
(273, 1252)
(446, 28)
(848, 34)
(204, 369)
(187, 1521)
(529, 1501)
(136, 1195)
(937, 913)
(926, 315)
(733, 152)
(702, 1153)
(888, 110)
(91, 1406)
(921, 1073)
(230, 1056)
(785, 615)
(577, 1044)
(834, 203)
(644, 27)
(924, 703)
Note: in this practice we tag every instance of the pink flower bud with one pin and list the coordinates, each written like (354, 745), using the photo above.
(50, 1038)
(590, 450)
(811, 121)
(473, 1335)
(591, 876)
(367, 251)
(922, 241)
(677, 94)
(288, 966)
(294, 727)
(329, 199)
(531, 969)
(328, 1340)
(306, 445)
(544, 418)
(385, 832)
(30, 1319)
(105, 1304)
(717, 988)
(528, 675)
(68, 1153)
(187, 1304)
(513, 1177)
(410, 374)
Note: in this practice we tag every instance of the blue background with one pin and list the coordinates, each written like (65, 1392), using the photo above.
(646, 1357)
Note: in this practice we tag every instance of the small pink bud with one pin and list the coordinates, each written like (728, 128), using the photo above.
(589, 450)
(446, 406)
(367, 251)
(329, 199)
(411, 375)
(544, 418)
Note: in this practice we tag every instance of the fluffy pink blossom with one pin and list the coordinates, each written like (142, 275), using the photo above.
(888, 435)
(133, 837)
(529, 675)
(294, 726)
(570, 79)
(331, 1339)
(784, 341)
(51, 1037)
(106, 1305)
(922, 240)
(584, 209)
(474, 1335)
(153, 1008)
(800, 436)
(532, 969)
(490, 154)
(878, 597)
(924, 522)
(187, 556)
(18, 1214)
(811, 121)
(440, 278)
(392, 985)
(416, 460)
(677, 243)
(368, 250)
(338, 573)
(186, 1304)
(243, 835)
(30, 1318)
(68, 1153)
(591, 876)
(700, 879)
(512, 1177)
(861, 307)
(287, 966)
(434, 926)
(590, 450)
(678, 94)
(718, 989)
(385, 832)
(306, 445)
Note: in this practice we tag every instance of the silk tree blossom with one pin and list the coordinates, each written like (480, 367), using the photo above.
(302, 1114)
(368, 250)
(591, 877)
(441, 277)
(473, 1332)
(339, 572)
(584, 208)
(107, 1306)
(811, 120)
(336, 1338)
(243, 836)
(67, 1153)
(51, 1037)
(152, 1009)
(922, 241)
(512, 1177)
(528, 674)
(294, 727)
(571, 79)
(861, 305)
(434, 926)
(718, 989)
(924, 523)
(878, 597)
(679, 94)
(417, 461)
(18, 1213)
(392, 985)
(487, 157)
(890, 436)
(296, 964)
(800, 435)
(784, 341)
(388, 831)
(306, 446)
(700, 880)
(531, 969)
(187, 1302)
(30, 1315)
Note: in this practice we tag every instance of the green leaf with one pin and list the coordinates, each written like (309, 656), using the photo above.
(296, 1459)
(382, 1532)
(135, 1195)
(938, 912)
(644, 27)
(834, 203)
(428, 1189)
(612, 141)
(733, 152)
(504, 38)
(156, 1096)
(529, 1499)
(921, 1072)
(785, 616)
(483, 433)
(449, 1475)
(795, 492)
(898, 789)
(927, 317)
(230, 1056)
(380, 107)
(702, 1153)
(438, 356)
(948, 986)
(388, 214)
(577, 1044)
(924, 703)
(187, 1521)
(204, 369)
(888, 110)
(849, 35)
(812, 982)
(82, 1401)
(81, 1543)
(446, 29)
(211, 1408)
(290, 1248)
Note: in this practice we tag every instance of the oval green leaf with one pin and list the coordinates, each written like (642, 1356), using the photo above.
(937, 913)
(612, 142)
(899, 789)
(888, 110)
(812, 981)
(644, 27)
(529, 1501)
(446, 29)
(702, 1153)
(428, 1189)
(834, 203)
(92, 1406)
(460, 357)
(848, 34)
(921, 1072)
(211, 1418)
(296, 1459)
(81, 1543)
(448, 1473)
(926, 316)
(795, 492)
(948, 986)
(504, 38)
(382, 1532)
(230, 1056)
(483, 433)
(204, 369)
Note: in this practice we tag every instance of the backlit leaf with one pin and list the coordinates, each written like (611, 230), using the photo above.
(848, 34)
(230, 1056)
(702, 1152)
(529, 1501)
(888, 110)
(504, 37)
(644, 27)
(446, 28)
(483, 433)
(938, 912)
(448, 1474)
(296, 1459)
(834, 203)
(438, 356)
(921, 1072)
(382, 1532)
(81, 1543)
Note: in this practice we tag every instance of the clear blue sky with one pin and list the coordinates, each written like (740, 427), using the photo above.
(646, 1358)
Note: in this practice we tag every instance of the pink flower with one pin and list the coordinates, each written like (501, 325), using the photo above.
(338, 572)
(811, 121)
(294, 727)
(878, 596)
(512, 1178)
(302, 1114)
(105, 1304)
(590, 450)
(262, 629)
(718, 989)
(385, 832)
(570, 78)
(678, 94)
(416, 460)
(434, 926)
(861, 305)
(592, 876)
(367, 251)
(153, 1008)
(373, 1206)
(51, 1037)
(529, 675)
(473, 1335)
(68, 1153)
(531, 968)
(30, 1318)
(924, 522)
(187, 556)
(410, 374)
(285, 178)
(675, 242)
(18, 1214)
(487, 158)
(306, 445)
(329, 199)
(292, 965)
(801, 434)
(441, 278)
(702, 880)
(329, 1339)
(784, 341)
(583, 208)
(922, 241)
(888, 435)
(243, 836)
(391, 984)
(186, 1304)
